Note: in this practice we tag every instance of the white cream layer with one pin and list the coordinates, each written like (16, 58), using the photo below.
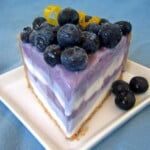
(97, 103)
(39, 75)
(49, 109)
(97, 85)
(77, 121)
(58, 92)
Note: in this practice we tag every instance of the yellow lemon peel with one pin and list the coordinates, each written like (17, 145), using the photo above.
(52, 10)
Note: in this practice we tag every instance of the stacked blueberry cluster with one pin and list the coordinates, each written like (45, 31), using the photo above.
(124, 92)
(70, 44)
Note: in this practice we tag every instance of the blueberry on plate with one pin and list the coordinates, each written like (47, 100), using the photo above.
(138, 84)
(68, 35)
(110, 35)
(52, 55)
(68, 15)
(125, 26)
(125, 100)
(119, 86)
(93, 27)
(43, 38)
(90, 42)
(74, 58)
(25, 34)
(37, 22)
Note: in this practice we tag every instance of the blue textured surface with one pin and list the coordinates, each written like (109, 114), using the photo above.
(16, 14)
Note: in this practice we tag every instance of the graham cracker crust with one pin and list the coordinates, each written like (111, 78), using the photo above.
(83, 130)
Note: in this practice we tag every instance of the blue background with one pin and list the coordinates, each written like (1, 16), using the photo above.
(15, 14)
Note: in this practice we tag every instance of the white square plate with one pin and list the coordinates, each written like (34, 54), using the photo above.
(19, 99)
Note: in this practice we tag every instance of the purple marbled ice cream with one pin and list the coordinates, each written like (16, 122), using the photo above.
(72, 86)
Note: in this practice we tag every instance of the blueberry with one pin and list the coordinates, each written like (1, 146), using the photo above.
(45, 25)
(44, 37)
(119, 86)
(27, 29)
(68, 15)
(41, 42)
(110, 35)
(93, 27)
(138, 84)
(125, 26)
(68, 35)
(24, 37)
(55, 30)
(37, 22)
(125, 100)
(74, 58)
(103, 20)
(25, 34)
(87, 18)
(52, 54)
(32, 37)
(90, 42)
(79, 27)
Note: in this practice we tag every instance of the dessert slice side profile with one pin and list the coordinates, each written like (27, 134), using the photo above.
(70, 67)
